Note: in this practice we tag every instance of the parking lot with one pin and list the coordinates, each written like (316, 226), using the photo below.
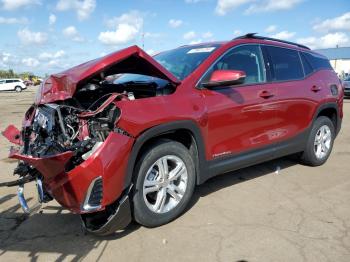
(276, 211)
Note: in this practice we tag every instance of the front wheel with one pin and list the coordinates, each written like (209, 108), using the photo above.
(320, 142)
(18, 89)
(165, 180)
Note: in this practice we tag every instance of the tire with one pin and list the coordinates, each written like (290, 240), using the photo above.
(18, 89)
(311, 156)
(147, 209)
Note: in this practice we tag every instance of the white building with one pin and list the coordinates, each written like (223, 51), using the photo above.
(339, 58)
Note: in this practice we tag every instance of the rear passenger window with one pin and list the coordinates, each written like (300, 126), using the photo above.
(306, 64)
(286, 64)
(317, 62)
(9, 81)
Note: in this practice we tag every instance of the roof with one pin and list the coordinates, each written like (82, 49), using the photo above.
(335, 53)
(255, 36)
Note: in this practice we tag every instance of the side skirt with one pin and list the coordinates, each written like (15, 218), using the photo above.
(252, 157)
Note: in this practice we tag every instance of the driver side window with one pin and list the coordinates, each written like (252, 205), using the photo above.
(247, 58)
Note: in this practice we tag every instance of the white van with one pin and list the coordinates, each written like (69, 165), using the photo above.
(14, 84)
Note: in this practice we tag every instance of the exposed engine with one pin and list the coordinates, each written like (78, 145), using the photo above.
(57, 128)
(82, 123)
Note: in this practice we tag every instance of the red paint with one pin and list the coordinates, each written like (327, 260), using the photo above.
(49, 167)
(69, 188)
(231, 120)
(12, 134)
(226, 75)
(62, 86)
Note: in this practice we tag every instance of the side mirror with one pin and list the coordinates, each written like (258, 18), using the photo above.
(224, 78)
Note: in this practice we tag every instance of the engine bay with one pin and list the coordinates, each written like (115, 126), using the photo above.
(82, 123)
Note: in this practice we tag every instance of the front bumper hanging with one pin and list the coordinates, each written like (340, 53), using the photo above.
(23, 202)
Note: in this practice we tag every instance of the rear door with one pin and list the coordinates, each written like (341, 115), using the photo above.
(240, 117)
(9, 85)
(295, 101)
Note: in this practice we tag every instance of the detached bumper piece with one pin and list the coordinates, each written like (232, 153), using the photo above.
(115, 217)
(23, 202)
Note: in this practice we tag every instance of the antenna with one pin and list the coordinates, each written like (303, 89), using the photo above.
(143, 36)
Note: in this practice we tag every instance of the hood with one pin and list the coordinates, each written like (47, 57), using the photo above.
(133, 59)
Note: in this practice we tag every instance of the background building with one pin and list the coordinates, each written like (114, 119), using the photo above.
(339, 58)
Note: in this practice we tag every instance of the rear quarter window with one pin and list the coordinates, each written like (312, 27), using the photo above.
(317, 62)
(285, 64)
(308, 69)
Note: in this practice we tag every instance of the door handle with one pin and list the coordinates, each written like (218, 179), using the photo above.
(315, 88)
(265, 94)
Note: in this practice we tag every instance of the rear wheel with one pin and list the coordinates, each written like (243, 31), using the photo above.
(18, 89)
(165, 180)
(320, 142)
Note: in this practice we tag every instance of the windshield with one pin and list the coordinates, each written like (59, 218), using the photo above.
(184, 60)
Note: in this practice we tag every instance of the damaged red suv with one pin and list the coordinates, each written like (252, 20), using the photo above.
(129, 136)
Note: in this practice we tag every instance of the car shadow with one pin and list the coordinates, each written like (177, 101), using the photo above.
(57, 231)
(235, 177)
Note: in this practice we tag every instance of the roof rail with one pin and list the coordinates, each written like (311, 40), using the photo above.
(254, 36)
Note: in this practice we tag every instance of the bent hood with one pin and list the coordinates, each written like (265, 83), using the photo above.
(133, 59)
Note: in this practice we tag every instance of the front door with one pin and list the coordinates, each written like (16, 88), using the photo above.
(240, 117)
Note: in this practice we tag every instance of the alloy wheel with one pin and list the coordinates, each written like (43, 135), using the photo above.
(322, 142)
(165, 184)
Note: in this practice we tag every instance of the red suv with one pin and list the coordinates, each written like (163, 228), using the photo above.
(135, 146)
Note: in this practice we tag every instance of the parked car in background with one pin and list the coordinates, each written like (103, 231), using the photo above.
(14, 84)
(135, 148)
(346, 83)
(28, 82)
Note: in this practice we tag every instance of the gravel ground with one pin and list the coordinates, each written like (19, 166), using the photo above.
(255, 214)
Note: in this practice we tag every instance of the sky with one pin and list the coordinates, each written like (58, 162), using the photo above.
(50, 36)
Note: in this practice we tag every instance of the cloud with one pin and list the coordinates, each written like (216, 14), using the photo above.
(52, 19)
(207, 35)
(283, 35)
(151, 52)
(271, 5)
(72, 33)
(237, 32)
(30, 62)
(127, 28)
(195, 42)
(224, 6)
(271, 29)
(330, 40)
(190, 35)
(15, 4)
(5, 59)
(28, 37)
(175, 23)
(48, 56)
(13, 20)
(334, 24)
(83, 8)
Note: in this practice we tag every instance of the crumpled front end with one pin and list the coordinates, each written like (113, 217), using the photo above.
(70, 141)
(80, 156)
